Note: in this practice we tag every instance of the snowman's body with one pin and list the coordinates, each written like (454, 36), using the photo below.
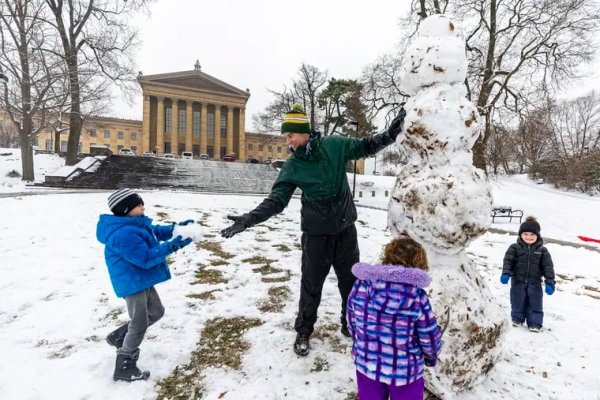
(443, 202)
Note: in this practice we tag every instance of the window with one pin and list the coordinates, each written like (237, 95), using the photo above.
(120, 135)
(196, 123)
(133, 135)
(196, 149)
(181, 126)
(92, 132)
(260, 147)
(92, 144)
(167, 147)
(223, 151)
(168, 120)
(250, 146)
(79, 147)
(134, 149)
(211, 125)
(63, 145)
(279, 149)
(223, 125)
(210, 152)
(106, 134)
(270, 148)
(48, 145)
(181, 148)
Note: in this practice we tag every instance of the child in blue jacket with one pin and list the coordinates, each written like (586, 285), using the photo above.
(136, 262)
(527, 262)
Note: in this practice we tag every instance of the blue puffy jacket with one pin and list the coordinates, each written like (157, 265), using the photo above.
(133, 254)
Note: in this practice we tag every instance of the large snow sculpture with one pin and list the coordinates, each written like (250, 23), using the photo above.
(443, 202)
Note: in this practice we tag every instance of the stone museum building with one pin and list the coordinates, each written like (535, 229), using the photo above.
(182, 111)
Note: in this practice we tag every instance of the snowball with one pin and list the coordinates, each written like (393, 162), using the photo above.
(193, 231)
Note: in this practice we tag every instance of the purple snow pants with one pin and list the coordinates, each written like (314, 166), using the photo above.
(368, 389)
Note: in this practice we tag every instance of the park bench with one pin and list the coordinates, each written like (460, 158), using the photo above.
(506, 212)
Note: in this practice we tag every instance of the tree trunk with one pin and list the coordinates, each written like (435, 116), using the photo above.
(75, 120)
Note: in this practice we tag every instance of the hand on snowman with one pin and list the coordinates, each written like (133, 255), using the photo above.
(397, 124)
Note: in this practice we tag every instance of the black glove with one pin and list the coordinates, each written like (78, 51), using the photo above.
(397, 124)
(430, 362)
(178, 243)
(239, 225)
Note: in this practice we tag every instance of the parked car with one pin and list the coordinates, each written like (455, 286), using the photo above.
(229, 158)
(252, 161)
(187, 155)
(169, 155)
(203, 157)
(126, 151)
(267, 161)
(148, 154)
(277, 163)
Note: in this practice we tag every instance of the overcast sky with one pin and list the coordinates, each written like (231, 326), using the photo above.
(261, 44)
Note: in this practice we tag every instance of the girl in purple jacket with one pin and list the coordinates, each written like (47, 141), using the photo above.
(391, 322)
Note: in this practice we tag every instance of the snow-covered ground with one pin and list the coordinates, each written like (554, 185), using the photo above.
(10, 160)
(57, 303)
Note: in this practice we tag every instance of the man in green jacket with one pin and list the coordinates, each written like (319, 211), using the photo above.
(318, 168)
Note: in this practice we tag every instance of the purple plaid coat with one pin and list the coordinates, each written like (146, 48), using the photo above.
(392, 324)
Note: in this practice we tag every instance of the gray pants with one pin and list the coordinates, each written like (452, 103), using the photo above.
(144, 309)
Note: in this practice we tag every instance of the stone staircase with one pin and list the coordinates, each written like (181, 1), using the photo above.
(157, 172)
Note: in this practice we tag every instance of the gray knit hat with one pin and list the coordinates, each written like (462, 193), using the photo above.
(123, 200)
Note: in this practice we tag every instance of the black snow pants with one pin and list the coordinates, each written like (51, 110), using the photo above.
(319, 253)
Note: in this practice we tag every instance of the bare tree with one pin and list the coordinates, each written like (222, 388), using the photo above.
(97, 43)
(516, 48)
(31, 72)
(576, 126)
(304, 90)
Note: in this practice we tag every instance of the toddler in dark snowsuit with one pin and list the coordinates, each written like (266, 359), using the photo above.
(526, 262)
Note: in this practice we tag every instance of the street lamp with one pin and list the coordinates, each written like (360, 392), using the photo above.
(355, 123)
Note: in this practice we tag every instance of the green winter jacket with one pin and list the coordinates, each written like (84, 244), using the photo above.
(327, 204)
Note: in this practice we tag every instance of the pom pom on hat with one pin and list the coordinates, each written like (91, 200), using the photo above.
(124, 200)
(295, 120)
(530, 225)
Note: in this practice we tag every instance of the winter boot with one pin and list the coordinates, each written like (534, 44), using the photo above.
(345, 331)
(127, 370)
(302, 345)
(116, 337)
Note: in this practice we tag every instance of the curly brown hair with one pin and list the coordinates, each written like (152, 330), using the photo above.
(405, 251)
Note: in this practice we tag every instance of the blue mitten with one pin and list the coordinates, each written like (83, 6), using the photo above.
(178, 243)
(504, 278)
(186, 222)
(549, 289)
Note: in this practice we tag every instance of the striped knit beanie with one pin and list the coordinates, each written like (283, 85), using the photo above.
(123, 200)
(295, 121)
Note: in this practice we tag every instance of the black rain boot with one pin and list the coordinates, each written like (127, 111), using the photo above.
(345, 331)
(302, 344)
(116, 337)
(127, 370)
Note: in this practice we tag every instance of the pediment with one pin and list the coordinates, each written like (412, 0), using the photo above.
(195, 80)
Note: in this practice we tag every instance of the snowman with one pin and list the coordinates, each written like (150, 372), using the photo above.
(443, 202)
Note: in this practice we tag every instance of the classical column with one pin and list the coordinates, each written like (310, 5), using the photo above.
(146, 124)
(160, 124)
(242, 155)
(203, 128)
(188, 126)
(174, 126)
(230, 130)
(217, 132)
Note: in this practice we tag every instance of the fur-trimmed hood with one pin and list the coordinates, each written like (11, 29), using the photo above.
(392, 273)
(390, 289)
